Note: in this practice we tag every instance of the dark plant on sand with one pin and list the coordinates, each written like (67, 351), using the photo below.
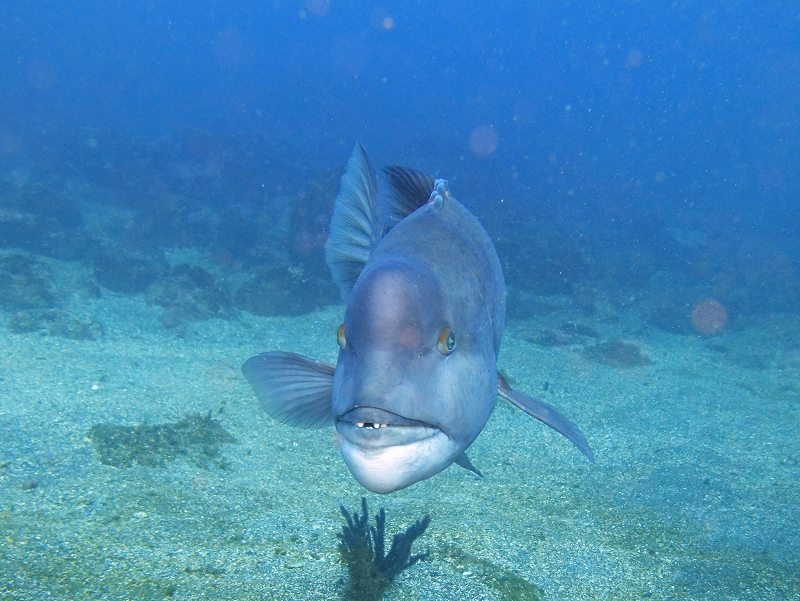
(361, 547)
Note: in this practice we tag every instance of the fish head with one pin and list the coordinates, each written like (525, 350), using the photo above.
(412, 388)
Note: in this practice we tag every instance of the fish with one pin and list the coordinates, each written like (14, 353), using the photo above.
(416, 377)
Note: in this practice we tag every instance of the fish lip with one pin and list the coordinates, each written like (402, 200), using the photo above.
(371, 428)
(375, 415)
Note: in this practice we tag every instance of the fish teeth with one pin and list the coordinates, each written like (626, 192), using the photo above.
(370, 425)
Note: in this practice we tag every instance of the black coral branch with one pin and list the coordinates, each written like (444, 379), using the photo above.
(362, 549)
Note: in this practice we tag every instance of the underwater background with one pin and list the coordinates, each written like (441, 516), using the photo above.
(167, 173)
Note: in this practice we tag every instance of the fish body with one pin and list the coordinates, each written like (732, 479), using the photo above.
(416, 377)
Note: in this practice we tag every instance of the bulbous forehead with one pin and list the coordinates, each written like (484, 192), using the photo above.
(394, 299)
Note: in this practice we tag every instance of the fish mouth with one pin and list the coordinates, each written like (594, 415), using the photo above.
(372, 427)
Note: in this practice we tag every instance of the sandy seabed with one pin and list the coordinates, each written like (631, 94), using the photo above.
(694, 494)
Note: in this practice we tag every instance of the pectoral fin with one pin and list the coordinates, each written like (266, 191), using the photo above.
(545, 413)
(293, 389)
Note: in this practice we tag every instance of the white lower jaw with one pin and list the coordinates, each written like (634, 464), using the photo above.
(385, 469)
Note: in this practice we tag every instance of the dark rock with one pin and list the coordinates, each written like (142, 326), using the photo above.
(284, 291)
(188, 293)
(127, 273)
(25, 283)
(42, 220)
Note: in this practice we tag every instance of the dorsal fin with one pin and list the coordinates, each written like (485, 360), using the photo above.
(353, 229)
(407, 190)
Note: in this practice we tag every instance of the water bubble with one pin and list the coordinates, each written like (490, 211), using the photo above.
(483, 141)
(709, 317)
(634, 59)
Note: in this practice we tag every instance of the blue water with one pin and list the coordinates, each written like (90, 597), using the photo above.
(612, 120)
(635, 164)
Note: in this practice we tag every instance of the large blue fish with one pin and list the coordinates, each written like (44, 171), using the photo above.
(416, 378)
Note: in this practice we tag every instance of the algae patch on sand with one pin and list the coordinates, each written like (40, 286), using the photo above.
(504, 582)
(196, 437)
(618, 354)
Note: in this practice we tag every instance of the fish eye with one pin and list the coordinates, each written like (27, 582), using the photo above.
(340, 337)
(447, 341)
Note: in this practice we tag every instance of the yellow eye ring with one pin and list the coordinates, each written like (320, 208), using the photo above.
(447, 341)
(340, 337)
